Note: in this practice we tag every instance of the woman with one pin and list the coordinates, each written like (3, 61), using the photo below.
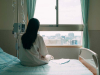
(33, 51)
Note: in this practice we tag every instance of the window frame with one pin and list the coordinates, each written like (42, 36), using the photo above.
(65, 46)
(67, 27)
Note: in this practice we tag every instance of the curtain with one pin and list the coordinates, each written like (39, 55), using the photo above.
(85, 10)
(31, 8)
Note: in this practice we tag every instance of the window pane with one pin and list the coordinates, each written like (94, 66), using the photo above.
(45, 11)
(62, 37)
(70, 12)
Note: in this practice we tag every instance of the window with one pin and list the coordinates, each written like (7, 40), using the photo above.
(60, 21)
(58, 12)
(61, 37)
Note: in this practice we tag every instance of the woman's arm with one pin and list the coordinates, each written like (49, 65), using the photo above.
(42, 47)
(43, 50)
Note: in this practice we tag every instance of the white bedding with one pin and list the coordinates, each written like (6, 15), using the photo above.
(74, 67)
(10, 65)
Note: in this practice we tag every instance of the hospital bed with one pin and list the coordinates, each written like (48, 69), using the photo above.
(10, 65)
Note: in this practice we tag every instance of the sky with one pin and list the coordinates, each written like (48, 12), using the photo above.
(69, 11)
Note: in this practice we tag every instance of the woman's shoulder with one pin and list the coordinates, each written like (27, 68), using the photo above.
(38, 39)
(39, 36)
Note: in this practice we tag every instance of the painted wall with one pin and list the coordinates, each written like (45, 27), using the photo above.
(7, 19)
(94, 26)
(71, 53)
(94, 15)
(7, 41)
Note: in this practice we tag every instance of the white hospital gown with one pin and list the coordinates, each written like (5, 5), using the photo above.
(33, 57)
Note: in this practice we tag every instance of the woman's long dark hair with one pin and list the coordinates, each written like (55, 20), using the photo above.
(30, 35)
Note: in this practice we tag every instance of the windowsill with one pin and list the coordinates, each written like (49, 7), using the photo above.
(66, 46)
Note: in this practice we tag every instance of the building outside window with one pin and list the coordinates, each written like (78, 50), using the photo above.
(62, 37)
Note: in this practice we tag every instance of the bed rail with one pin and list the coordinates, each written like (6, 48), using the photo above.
(94, 56)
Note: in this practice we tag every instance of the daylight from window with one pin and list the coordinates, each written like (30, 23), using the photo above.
(45, 11)
(69, 12)
(62, 37)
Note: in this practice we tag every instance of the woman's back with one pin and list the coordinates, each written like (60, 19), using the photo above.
(32, 57)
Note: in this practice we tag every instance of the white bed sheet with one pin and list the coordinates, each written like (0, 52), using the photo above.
(74, 67)
(10, 65)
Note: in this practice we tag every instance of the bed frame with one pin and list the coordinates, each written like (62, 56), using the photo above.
(94, 70)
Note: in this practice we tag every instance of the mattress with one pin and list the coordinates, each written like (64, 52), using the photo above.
(10, 65)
